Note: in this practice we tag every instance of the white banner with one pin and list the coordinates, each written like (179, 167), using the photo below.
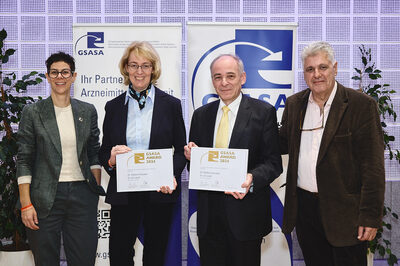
(268, 53)
(98, 49)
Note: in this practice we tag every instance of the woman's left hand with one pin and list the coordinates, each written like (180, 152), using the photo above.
(167, 189)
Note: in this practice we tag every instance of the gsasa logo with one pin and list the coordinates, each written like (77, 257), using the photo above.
(93, 46)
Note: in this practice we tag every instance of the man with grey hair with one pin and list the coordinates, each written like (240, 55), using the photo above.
(335, 177)
(231, 225)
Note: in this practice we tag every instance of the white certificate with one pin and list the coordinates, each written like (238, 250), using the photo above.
(144, 170)
(218, 169)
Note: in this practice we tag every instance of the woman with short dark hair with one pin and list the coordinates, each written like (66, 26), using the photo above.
(58, 171)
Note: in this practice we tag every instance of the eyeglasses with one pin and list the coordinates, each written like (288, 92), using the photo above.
(135, 67)
(65, 73)
(311, 129)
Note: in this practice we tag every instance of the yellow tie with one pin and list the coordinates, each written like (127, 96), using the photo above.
(221, 141)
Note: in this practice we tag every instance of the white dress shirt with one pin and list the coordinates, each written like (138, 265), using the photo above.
(232, 114)
(310, 142)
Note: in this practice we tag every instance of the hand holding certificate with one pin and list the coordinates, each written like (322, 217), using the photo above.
(218, 169)
(144, 170)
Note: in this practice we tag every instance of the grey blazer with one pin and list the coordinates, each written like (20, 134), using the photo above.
(39, 149)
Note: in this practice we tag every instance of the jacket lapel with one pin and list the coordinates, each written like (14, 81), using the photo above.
(157, 115)
(209, 126)
(336, 112)
(122, 120)
(80, 124)
(48, 117)
(243, 117)
(301, 105)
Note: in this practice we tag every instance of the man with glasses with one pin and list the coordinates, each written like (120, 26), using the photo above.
(335, 178)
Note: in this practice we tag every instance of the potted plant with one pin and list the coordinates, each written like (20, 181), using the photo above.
(368, 77)
(12, 101)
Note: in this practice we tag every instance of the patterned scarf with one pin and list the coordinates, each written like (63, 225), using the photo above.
(139, 96)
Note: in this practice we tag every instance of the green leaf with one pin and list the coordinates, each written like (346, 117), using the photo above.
(392, 260)
(4, 59)
(7, 81)
(357, 70)
(9, 52)
(381, 250)
(3, 35)
(356, 78)
(364, 60)
(377, 86)
(373, 76)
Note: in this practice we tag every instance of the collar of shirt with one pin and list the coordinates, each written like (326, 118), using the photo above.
(233, 106)
(139, 121)
(233, 110)
(330, 99)
(149, 96)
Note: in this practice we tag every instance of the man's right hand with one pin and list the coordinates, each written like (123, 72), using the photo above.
(188, 149)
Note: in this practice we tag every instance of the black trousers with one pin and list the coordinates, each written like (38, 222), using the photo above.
(124, 226)
(219, 247)
(74, 216)
(315, 247)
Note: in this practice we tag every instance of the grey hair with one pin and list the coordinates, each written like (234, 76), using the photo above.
(317, 47)
(237, 59)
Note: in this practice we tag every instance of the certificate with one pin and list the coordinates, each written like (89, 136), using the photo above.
(218, 169)
(144, 170)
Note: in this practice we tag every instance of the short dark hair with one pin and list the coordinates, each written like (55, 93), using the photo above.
(60, 57)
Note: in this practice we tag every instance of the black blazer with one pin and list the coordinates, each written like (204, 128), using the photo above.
(255, 129)
(167, 131)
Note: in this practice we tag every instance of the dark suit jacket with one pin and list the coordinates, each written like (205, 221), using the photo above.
(350, 165)
(39, 149)
(167, 131)
(255, 129)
